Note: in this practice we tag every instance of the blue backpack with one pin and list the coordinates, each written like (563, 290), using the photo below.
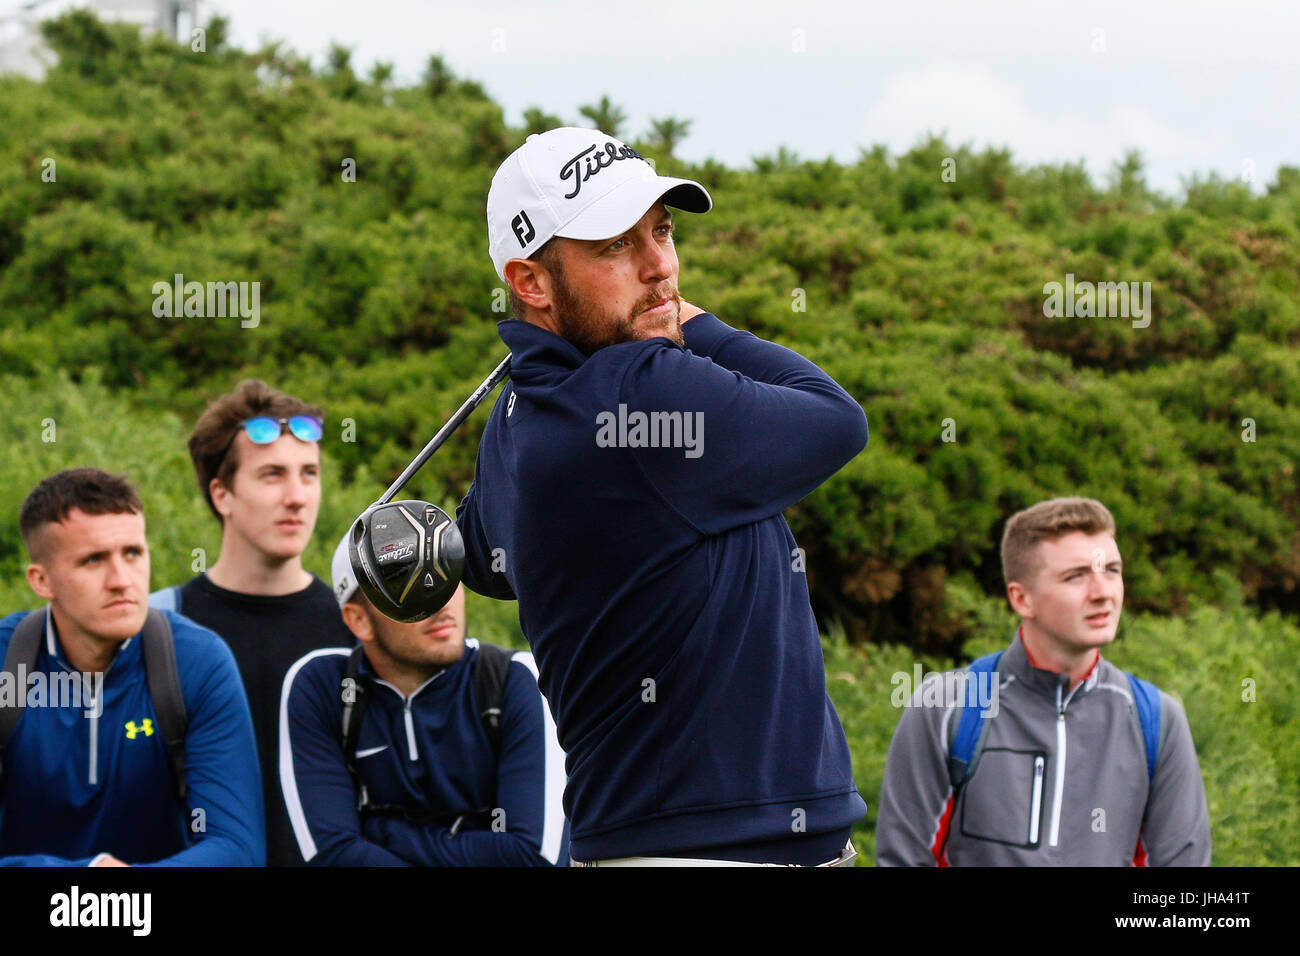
(965, 746)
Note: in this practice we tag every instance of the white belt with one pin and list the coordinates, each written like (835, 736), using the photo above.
(846, 858)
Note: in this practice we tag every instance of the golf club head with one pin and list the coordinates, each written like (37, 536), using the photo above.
(408, 557)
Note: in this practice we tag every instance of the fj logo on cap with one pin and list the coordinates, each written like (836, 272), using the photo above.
(523, 227)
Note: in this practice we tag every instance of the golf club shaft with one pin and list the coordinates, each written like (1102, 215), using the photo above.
(480, 393)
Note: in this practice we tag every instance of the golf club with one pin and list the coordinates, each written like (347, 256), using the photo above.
(408, 555)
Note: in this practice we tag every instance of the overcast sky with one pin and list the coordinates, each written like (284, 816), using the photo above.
(1196, 85)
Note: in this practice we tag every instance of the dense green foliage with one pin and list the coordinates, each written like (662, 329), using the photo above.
(922, 293)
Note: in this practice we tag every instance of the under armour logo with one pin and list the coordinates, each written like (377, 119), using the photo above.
(523, 227)
(144, 727)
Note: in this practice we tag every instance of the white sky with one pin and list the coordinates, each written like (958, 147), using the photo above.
(1196, 85)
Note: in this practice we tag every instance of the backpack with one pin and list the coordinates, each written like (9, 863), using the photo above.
(965, 743)
(488, 672)
(167, 599)
(160, 671)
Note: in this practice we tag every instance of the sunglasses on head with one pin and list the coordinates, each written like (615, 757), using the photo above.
(264, 430)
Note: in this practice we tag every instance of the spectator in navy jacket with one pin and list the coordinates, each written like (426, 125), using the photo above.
(629, 491)
(434, 789)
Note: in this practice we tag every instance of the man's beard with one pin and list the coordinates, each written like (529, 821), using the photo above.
(580, 322)
(428, 659)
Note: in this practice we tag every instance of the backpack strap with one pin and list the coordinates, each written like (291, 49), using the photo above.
(353, 693)
(165, 689)
(24, 648)
(491, 667)
(1146, 703)
(967, 726)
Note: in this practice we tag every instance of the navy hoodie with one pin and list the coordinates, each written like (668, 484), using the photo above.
(428, 750)
(631, 501)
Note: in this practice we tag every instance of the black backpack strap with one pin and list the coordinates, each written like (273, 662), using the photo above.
(24, 648)
(353, 693)
(165, 690)
(491, 666)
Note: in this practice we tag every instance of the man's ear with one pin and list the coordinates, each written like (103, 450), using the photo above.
(39, 581)
(1022, 602)
(358, 623)
(220, 497)
(530, 282)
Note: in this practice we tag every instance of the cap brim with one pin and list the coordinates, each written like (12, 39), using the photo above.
(621, 209)
(341, 573)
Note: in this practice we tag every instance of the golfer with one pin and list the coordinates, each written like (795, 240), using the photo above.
(628, 492)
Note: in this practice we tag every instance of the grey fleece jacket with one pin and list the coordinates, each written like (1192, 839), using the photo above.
(1061, 780)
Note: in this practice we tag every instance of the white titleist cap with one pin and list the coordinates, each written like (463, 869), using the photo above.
(579, 184)
(345, 582)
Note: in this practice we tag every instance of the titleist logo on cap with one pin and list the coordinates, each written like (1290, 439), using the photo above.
(595, 163)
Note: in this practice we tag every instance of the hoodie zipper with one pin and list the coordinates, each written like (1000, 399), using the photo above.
(96, 707)
(1036, 809)
(88, 681)
(410, 731)
(94, 736)
(411, 752)
(1060, 762)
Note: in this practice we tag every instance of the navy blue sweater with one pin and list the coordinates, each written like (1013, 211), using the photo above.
(79, 783)
(428, 751)
(659, 587)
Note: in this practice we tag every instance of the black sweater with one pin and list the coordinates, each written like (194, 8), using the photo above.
(267, 635)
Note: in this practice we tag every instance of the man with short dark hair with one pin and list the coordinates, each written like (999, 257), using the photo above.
(433, 775)
(89, 779)
(1060, 758)
(659, 585)
(256, 455)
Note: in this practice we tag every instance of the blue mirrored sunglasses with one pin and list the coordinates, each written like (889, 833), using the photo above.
(263, 430)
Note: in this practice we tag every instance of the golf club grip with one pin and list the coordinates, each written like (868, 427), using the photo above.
(480, 393)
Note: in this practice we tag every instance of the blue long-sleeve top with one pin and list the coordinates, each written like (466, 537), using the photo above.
(660, 588)
(91, 779)
(427, 751)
